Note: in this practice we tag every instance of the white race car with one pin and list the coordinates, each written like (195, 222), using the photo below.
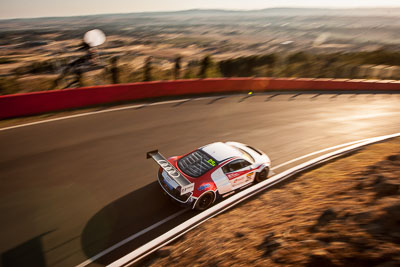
(216, 170)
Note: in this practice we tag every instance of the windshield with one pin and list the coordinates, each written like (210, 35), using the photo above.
(196, 163)
(246, 155)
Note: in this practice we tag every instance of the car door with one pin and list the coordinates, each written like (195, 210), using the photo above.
(239, 172)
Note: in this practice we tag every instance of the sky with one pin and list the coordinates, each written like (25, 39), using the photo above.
(54, 8)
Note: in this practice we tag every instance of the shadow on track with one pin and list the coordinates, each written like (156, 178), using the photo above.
(182, 102)
(271, 96)
(293, 97)
(29, 253)
(125, 217)
(314, 97)
(244, 98)
(216, 99)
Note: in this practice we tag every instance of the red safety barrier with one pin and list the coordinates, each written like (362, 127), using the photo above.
(46, 101)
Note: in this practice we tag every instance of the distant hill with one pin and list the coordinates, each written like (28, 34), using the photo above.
(286, 11)
(330, 12)
(386, 12)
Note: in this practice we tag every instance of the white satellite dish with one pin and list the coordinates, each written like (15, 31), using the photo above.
(94, 37)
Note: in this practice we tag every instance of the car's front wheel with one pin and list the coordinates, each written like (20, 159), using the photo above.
(262, 175)
(205, 201)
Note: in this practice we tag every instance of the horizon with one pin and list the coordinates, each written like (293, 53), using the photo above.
(11, 9)
(203, 9)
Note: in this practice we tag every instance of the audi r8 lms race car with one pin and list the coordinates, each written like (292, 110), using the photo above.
(199, 178)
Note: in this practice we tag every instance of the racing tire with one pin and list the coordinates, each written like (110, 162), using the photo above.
(261, 176)
(205, 201)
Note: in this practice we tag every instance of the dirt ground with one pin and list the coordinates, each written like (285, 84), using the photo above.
(345, 213)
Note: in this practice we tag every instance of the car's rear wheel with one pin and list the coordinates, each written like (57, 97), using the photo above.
(205, 201)
(262, 175)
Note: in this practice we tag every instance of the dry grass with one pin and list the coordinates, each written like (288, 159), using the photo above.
(344, 213)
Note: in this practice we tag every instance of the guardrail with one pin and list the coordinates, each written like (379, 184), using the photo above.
(47, 101)
(186, 226)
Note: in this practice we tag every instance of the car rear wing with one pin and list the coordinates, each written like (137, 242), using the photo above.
(177, 176)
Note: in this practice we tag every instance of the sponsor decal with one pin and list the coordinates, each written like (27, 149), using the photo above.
(187, 189)
(249, 174)
(233, 175)
(168, 168)
(239, 180)
(236, 174)
(204, 187)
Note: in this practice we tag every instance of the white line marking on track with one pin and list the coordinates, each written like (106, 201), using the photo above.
(317, 152)
(102, 111)
(132, 237)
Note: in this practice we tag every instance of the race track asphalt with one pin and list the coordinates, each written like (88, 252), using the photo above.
(72, 188)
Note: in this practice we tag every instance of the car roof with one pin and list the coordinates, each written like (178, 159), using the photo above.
(221, 151)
